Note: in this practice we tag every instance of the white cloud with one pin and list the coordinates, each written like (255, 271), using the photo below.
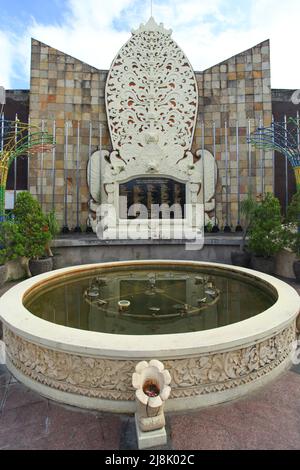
(6, 62)
(208, 32)
(280, 21)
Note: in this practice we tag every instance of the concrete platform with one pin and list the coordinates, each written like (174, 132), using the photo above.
(87, 248)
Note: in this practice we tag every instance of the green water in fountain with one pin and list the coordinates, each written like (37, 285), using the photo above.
(161, 301)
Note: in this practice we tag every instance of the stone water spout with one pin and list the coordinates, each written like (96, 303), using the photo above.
(152, 383)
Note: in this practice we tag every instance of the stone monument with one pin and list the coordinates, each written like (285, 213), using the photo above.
(151, 103)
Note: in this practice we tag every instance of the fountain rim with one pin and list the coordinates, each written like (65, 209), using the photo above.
(88, 343)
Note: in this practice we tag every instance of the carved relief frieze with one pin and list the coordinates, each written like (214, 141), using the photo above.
(111, 378)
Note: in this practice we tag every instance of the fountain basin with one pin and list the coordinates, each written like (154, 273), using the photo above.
(93, 369)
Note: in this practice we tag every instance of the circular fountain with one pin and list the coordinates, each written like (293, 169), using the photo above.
(75, 335)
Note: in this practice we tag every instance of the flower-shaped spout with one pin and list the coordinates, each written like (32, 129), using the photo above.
(151, 381)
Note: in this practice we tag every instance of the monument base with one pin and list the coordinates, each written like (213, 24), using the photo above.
(150, 438)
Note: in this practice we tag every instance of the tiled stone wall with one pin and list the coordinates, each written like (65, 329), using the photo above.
(64, 88)
(237, 89)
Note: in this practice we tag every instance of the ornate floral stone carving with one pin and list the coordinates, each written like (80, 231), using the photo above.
(111, 378)
(151, 95)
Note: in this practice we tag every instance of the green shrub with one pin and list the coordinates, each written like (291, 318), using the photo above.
(293, 212)
(209, 227)
(52, 224)
(267, 236)
(248, 207)
(10, 241)
(32, 225)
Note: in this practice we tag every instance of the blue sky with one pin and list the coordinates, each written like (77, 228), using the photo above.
(20, 11)
(94, 30)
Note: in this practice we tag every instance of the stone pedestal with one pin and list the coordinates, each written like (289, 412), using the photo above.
(155, 438)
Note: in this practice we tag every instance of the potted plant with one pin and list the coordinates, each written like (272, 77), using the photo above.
(267, 236)
(243, 257)
(293, 221)
(208, 227)
(34, 233)
(54, 231)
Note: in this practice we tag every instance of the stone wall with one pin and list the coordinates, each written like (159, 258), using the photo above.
(237, 89)
(65, 89)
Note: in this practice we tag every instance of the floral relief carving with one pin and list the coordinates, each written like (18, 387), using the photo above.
(111, 378)
(151, 93)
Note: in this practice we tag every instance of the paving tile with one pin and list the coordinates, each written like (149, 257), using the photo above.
(267, 419)
(282, 391)
(3, 392)
(128, 439)
(22, 437)
(5, 375)
(22, 416)
(256, 427)
(18, 395)
(69, 428)
(21, 425)
(79, 437)
(42, 426)
(191, 432)
(264, 425)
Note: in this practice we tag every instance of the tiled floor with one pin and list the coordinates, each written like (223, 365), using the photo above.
(266, 419)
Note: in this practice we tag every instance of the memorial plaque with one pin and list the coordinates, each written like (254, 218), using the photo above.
(156, 196)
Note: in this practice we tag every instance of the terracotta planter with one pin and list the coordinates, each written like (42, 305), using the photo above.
(262, 264)
(296, 268)
(39, 266)
(3, 274)
(240, 258)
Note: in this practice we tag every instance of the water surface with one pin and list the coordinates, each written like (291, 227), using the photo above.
(173, 300)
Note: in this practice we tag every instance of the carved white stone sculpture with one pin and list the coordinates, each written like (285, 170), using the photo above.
(151, 381)
(151, 102)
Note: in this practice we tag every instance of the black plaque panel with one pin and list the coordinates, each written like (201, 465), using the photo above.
(151, 193)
